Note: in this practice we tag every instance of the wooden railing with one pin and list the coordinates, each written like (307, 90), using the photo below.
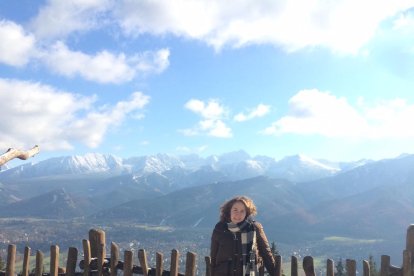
(96, 263)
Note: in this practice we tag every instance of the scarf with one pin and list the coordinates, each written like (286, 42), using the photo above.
(248, 242)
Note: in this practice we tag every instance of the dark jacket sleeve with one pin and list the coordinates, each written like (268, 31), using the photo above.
(213, 250)
(264, 249)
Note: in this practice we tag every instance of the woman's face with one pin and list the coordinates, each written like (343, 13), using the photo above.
(237, 212)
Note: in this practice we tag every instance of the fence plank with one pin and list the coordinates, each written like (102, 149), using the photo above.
(26, 261)
(39, 263)
(71, 261)
(330, 271)
(174, 262)
(54, 260)
(96, 238)
(11, 259)
(86, 257)
(410, 244)
(114, 258)
(142, 257)
(101, 258)
(407, 263)
(308, 266)
(385, 265)
(128, 262)
(410, 238)
(159, 265)
(278, 261)
(207, 259)
(350, 267)
(294, 266)
(366, 268)
(190, 264)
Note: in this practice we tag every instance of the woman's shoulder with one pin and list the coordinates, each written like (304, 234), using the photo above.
(257, 224)
(220, 225)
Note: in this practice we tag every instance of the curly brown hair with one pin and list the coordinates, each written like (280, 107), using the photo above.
(225, 209)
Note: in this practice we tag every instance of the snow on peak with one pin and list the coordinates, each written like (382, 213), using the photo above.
(254, 164)
(316, 163)
(92, 162)
(303, 160)
(95, 162)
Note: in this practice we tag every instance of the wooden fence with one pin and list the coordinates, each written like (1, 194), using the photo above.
(95, 262)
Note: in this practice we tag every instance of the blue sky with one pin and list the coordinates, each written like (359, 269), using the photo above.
(327, 79)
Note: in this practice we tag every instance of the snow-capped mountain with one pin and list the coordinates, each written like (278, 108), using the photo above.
(68, 165)
(153, 163)
(230, 166)
(301, 168)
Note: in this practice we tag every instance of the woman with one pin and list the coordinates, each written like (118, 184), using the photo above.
(238, 244)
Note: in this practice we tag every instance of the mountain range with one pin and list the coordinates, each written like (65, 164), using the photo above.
(298, 198)
(100, 174)
(231, 166)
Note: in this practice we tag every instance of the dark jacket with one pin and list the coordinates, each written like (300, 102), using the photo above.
(226, 251)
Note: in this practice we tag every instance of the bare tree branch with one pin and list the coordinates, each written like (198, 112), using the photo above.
(15, 153)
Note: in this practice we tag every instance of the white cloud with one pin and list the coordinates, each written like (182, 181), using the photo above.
(395, 49)
(92, 128)
(212, 114)
(59, 18)
(40, 114)
(312, 112)
(188, 150)
(16, 47)
(291, 24)
(211, 110)
(144, 143)
(392, 118)
(259, 111)
(104, 67)
(151, 61)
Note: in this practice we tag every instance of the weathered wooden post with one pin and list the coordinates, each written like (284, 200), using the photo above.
(101, 258)
(366, 268)
(128, 262)
(11, 259)
(350, 267)
(174, 262)
(410, 248)
(294, 266)
(39, 263)
(142, 257)
(114, 259)
(86, 257)
(207, 259)
(278, 261)
(96, 238)
(159, 266)
(385, 265)
(407, 263)
(71, 261)
(54, 260)
(190, 264)
(26, 261)
(308, 266)
(330, 267)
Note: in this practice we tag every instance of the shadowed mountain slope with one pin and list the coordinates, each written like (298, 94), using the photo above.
(53, 205)
(199, 206)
